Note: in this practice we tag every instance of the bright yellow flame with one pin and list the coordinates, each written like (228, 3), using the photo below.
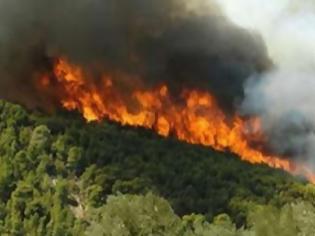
(197, 120)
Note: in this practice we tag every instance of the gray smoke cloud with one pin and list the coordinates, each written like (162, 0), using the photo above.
(283, 97)
(184, 43)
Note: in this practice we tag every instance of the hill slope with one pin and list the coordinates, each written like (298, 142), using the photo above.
(54, 170)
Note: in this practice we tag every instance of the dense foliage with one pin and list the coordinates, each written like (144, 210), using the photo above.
(61, 176)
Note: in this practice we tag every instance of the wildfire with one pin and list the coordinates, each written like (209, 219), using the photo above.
(197, 119)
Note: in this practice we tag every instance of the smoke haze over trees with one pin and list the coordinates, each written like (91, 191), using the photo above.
(284, 96)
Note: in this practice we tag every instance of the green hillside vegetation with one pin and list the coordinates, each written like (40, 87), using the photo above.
(60, 176)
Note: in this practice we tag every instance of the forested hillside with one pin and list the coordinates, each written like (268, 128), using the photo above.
(61, 176)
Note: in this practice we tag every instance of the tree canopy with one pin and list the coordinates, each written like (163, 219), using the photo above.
(62, 176)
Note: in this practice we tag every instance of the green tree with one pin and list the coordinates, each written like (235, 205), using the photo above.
(129, 215)
(40, 141)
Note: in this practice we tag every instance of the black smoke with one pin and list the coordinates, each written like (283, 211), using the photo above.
(157, 40)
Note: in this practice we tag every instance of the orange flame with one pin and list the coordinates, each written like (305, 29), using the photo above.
(197, 120)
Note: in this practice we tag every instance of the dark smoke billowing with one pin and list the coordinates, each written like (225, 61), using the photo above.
(157, 40)
(284, 96)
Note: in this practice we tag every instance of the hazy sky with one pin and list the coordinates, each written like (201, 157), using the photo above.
(285, 96)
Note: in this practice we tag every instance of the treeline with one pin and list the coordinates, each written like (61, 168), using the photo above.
(61, 176)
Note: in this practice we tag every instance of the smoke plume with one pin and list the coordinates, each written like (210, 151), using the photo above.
(284, 96)
(180, 42)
